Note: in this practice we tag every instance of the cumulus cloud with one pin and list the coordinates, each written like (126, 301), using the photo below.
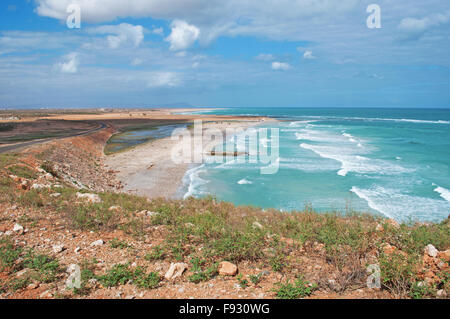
(163, 79)
(183, 35)
(280, 66)
(414, 28)
(158, 31)
(136, 61)
(308, 55)
(265, 57)
(121, 35)
(69, 65)
(214, 17)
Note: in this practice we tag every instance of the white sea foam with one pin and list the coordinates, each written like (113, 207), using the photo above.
(393, 204)
(308, 164)
(445, 193)
(352, 162)
(370, 119)
(300, 123)
(192, 179)
(244, 181)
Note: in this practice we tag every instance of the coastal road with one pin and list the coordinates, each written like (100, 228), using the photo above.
(9, 148)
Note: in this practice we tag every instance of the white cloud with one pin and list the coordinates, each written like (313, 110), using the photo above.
(280, 66)
(214, 17)
(183, 35)
(163, 79)
(265, 57)
(136, 61)
(70, 64)
(308, 55)
(123, 34)
(158, 31)
(413, 28)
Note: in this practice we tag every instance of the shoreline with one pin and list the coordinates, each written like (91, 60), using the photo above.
(148, 170)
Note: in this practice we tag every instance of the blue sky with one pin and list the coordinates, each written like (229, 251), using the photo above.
(225, 53)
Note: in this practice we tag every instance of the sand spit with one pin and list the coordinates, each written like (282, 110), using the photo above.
(148, 170)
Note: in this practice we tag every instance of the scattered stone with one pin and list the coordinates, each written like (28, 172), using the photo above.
(39, 186)
(17, 228)
(151, 214)
(58, 248)
(257, 225)
(388, 248)
(32, 286)
(91, 198)
(227, 269)
(175, 270)
(97, 242)
(25, 185)
(431, 251)
(379, 227)
(114, 208)
(77, 250)
(441, 293)
(55, 195)
(46, 294)
(181, 290)
(22, 273)
(8, 232)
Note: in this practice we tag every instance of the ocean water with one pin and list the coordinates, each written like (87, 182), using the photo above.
(390, 162)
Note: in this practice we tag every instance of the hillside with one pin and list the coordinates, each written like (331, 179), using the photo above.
(60, 207)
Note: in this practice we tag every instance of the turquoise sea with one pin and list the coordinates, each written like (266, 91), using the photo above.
(391, 162)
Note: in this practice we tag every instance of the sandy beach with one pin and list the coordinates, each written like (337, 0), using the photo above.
(148, 169)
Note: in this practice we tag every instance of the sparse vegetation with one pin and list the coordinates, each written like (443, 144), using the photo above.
(299, 289)
(204, 232)
(22, 171)
(120, 274)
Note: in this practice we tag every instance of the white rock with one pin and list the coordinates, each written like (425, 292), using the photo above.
(46, 294)
(17, 228)
(257, 225)
(431, 251)
(151, 214)
(175, 270)
(441, 293)
(97, 242)
(58, 248)
(77, 250)
(55, 195)
(114, 208)
(39, 186)
(92, 198)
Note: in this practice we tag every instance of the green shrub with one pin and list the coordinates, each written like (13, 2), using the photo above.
(116, 243)
(9, 253)
(300, 289)
(46, 267)
(22, 171)
(120, 274)
(157, 253)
